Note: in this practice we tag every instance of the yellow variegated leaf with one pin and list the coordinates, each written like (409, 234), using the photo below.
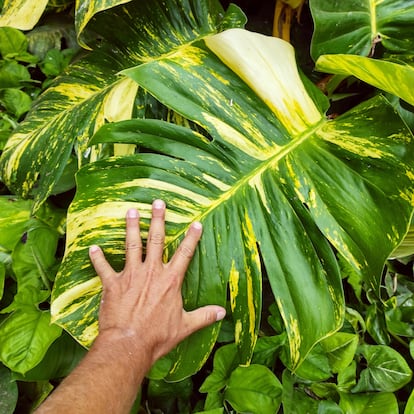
(280, 189)
(22, 14)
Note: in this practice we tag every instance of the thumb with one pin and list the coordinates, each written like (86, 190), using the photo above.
(204, 316)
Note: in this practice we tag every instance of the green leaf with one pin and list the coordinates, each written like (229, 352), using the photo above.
(165, 396)
(55, 61)
(254, 389)
(77, 103)
(355, 27)
(12, 42)
(409, 408)
(274, 177)
(2, 278)
(386, 370)
(12, 75)
(26, 335)
(15, 101)
(225, 361)
(315, 367)
(340, 349)
(8, 391)
(294, 398)
(14, 216)
(395, 78)
(329, 407)
(60, 359)
(267, 349)
(369, 403)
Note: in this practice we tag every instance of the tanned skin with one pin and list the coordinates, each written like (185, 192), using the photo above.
(141, 318)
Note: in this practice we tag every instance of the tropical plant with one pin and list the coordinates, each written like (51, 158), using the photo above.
(299, 209)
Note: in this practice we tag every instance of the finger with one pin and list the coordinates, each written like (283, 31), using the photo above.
(156, 235)
(186, 249)
(202, 317)
(133, 243)
(102, 267)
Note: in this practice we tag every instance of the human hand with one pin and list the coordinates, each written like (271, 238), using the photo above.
(142, 304)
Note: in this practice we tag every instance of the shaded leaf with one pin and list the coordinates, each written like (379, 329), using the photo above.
(8, 391)
(355, 27)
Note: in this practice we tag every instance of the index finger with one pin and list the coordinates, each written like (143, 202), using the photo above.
(185, 252)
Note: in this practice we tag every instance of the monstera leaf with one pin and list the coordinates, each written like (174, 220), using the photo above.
(91, 91)
(355, 27)
(282, 192)
(393, 77)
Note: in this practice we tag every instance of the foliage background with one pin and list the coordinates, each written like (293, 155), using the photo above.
(365, 367)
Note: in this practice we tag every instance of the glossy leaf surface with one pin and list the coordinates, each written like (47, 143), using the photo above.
(392, 77)
(355, 27)
(22, 14)
(275, 179)
(77, 103)
(254, 389)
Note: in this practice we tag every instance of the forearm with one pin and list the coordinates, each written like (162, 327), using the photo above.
(106, 380)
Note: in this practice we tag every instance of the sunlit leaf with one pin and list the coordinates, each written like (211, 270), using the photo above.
(392, 77)
(386, 370)
(22, 14)
(25, 337)
(369, 403)
(289, 189)
(254, 389)
(88, 93)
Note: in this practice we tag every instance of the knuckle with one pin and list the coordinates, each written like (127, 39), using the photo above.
(133, 246)
(185, 251)
(156, 238)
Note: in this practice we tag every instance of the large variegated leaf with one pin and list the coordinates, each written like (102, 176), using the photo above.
(22, 14)
(355, 27)
(92, 91)
(392, 77)
(275, 184)
(86, 10)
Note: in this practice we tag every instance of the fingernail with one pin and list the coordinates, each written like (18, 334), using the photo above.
(220, 315)
(158, 204)
(93, 249)
(132, 213)
(197, 225)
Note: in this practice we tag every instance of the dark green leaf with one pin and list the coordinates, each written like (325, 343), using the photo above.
(225, 361)
(8, 391)
(355, 27)
(294, 399)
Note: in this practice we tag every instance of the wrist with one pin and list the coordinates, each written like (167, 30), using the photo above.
(126, 348)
